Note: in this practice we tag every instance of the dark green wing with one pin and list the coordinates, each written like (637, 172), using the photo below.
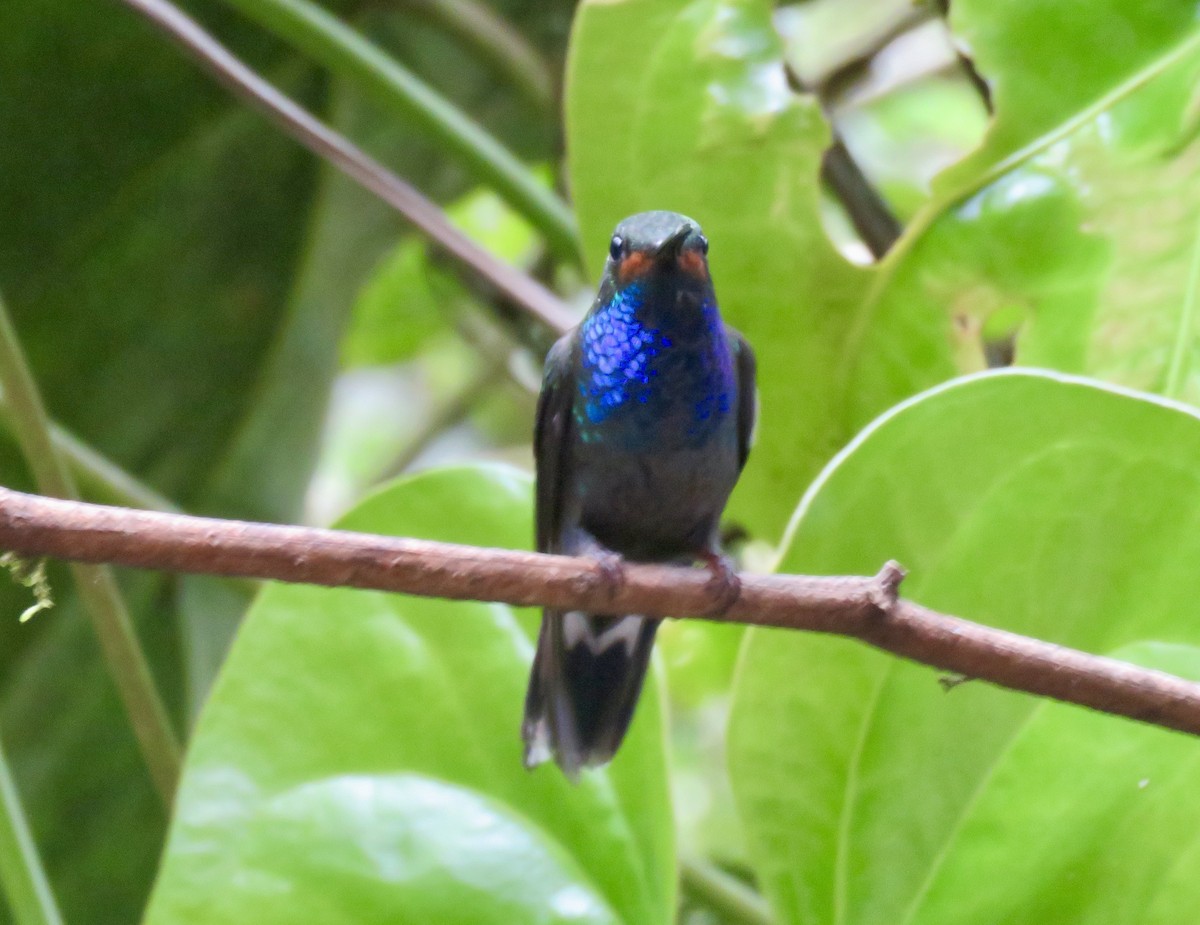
(552, 440)
(747, 406)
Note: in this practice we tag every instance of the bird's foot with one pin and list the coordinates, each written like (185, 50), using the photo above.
(724, 584)
(610, 568)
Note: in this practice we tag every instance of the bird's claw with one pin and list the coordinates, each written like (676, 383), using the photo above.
(724, 584)
(610, 567)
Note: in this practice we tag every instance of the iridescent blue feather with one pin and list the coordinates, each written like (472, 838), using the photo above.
(627, 360)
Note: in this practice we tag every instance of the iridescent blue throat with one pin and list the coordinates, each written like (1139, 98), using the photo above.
(646, 383)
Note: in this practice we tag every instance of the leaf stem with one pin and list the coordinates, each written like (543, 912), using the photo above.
(97, 586)
(107, 480)
(1185, 336)
(344, 51)
(497, 42)
(24, 879)
(712, 887)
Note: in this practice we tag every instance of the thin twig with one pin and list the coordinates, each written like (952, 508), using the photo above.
(319, 138)
(869, 213)
(97, 586)
(345, 51)
(867, 609)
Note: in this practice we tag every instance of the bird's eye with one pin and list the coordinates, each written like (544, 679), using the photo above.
(616, 247)
(703, 244)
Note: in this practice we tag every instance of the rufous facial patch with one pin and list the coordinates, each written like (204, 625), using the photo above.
(633, 266)
(692, 263)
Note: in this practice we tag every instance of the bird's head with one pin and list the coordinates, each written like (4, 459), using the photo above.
(657, 247)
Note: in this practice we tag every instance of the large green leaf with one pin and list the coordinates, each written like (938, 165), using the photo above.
(1126, 852)
(1138, 193)
(1050, 506)
(356, 742)
(1038, 95)
(1072, 227)
(683, 104)
(1087, 247)
(147, 291)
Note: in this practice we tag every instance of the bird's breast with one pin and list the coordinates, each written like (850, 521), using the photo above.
(655, 414)
(644, 387)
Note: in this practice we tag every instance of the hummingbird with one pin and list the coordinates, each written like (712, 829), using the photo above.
(643, 425)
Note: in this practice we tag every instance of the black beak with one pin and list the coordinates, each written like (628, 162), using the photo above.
(670, 249)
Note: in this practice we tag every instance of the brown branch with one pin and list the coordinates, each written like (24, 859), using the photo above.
(864, 608)
(323, 141)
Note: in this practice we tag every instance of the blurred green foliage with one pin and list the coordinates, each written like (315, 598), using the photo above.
(247, 332)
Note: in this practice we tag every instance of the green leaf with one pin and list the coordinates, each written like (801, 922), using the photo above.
(162, 294)
(404, 713)
(1075, 222)
(402, 306)
(352, 836)
(1049, 506)
(684, 105)
(1088, 246)
(408, 298)
(1126, 852)
(1128, 176)
(1040, 94)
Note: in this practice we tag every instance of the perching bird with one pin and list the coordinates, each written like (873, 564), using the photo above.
(643, 426)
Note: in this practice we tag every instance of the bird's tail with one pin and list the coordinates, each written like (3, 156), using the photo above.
(585, 682)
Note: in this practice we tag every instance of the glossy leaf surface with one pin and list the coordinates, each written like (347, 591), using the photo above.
(1103, 815)
(1038, 95)
(1052, 507)
(357, 744)
(685, 105)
